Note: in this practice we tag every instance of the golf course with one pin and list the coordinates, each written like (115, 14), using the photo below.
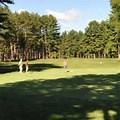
(88, 89)
(60, 60)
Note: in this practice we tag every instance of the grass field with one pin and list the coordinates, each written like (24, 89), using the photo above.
(89, 90)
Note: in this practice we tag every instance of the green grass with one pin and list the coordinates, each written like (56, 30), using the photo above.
(88, 91)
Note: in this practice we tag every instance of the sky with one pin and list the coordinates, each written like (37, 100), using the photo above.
(71, 14)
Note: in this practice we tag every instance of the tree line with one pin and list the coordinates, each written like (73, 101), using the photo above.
(31, 36)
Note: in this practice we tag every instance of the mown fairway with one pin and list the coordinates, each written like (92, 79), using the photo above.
(89, 90)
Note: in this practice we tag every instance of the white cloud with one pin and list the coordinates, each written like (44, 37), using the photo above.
(72, 15)
(21, 10)
(68, 19)
(65, 25)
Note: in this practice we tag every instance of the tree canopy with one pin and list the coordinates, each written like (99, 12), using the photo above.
(5, 2)
(38, 37)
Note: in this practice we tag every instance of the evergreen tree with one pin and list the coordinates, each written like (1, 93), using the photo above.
(115, 20)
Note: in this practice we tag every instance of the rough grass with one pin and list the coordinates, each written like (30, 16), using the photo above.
(88, 90)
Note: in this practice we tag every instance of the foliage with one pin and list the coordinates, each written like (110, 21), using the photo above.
(115, 20)
(32, 36)
(38, 37)
(4, 2)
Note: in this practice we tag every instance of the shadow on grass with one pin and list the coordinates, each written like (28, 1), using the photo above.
(40, 67)
(32, 67)
(7, 69)
(77, 98)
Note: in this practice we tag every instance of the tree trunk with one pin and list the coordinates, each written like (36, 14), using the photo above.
(119, 51)
(12, 52)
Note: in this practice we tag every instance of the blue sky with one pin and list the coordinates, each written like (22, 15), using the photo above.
(71, 14)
